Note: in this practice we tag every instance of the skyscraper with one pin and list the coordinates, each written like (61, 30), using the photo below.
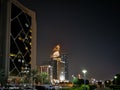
(17, 38)
(59, 63)
(22, 39)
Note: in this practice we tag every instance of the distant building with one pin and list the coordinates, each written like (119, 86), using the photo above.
(60, 68)
(59, 62)
(64, 58)
(54, 65)
(17, 38)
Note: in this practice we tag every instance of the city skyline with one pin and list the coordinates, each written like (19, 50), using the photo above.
(87, 30)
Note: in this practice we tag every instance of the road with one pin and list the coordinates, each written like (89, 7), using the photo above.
(102, 89)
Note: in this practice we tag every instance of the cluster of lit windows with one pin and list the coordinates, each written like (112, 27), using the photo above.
(20, 41)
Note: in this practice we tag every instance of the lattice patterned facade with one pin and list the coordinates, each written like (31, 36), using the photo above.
(22, 39)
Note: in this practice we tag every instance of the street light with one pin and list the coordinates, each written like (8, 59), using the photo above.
(84, 72)
(115, 78)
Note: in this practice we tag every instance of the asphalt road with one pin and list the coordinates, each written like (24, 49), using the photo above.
(102, 89)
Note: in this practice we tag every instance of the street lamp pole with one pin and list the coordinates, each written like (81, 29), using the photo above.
(84, 72)
(115, 77)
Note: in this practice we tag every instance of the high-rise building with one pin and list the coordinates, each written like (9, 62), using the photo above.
(60, 68)
(64, 58)
(59, 63)
(54, 65)
(17, 38)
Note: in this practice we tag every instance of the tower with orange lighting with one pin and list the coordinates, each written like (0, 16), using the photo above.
(59, 64)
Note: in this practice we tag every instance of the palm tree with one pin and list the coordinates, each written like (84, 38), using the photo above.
(33, 74)
(44, 78)
(39, 77)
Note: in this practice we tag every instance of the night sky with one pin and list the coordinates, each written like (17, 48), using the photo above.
(89, 31)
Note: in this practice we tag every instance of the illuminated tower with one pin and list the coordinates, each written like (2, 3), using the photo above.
(22, 39)
(59, 64)
(56, 62)
(17, 38)
(64, 58)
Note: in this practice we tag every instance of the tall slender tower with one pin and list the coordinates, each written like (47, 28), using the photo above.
(56, 62)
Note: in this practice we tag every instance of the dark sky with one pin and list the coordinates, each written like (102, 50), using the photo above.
(89, 31)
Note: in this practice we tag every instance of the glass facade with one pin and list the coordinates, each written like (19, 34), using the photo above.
(17, 39)
(54, 65)
(60, 67)
(20, 42)
(64, 58)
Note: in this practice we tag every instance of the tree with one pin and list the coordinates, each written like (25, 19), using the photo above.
(34, 73)
(77, 81)
(44, 78)
(116, 79)
(107, 83)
